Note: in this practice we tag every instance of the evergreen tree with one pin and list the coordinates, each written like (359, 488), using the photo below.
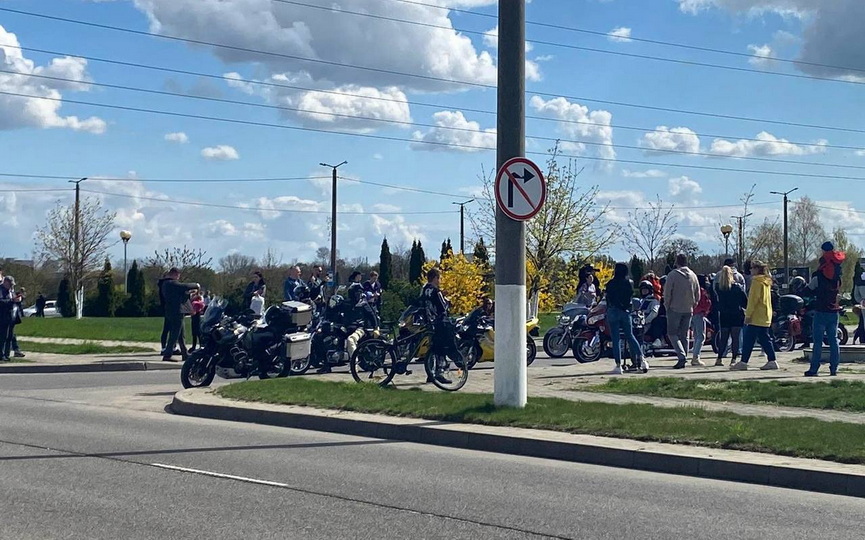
(481, 255)
(136, 305)
(416, 262)
(106, 296)
(449, 247)
(65, 300)
(444, 252)
(638, 269)
(385, 270)
(421, 255)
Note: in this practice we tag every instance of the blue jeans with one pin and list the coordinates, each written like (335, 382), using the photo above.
(825, 324)
(620, 321)
(754, 334)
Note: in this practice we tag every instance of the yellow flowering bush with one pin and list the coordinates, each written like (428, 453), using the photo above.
(462, 282)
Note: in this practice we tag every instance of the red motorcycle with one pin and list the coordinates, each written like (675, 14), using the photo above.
(594, 339)
(792, 325)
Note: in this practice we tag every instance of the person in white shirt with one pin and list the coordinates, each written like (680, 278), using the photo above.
(256, 304)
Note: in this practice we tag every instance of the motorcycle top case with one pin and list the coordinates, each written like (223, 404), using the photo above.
(288, 314)
(790, 303)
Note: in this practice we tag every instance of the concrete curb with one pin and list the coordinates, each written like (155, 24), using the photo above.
(87, 368)
(730, 465)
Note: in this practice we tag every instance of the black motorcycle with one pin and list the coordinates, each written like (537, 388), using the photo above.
(242, 346)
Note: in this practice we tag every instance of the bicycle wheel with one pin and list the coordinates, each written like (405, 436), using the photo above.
(373, 362)
(447, 374)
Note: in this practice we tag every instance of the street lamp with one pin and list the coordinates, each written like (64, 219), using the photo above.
(125, 236)
(726, 230)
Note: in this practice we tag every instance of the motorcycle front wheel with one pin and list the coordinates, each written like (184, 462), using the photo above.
(299, 366)
(373, 362)
(195, 372)
(557, 342)
(470, 351)
(584, 352)
(447, 374)
(531, 350)
(843, 336)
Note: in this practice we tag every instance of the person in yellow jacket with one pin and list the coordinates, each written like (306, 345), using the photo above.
(758, 318)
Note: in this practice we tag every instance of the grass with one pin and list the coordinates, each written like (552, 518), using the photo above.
(146, 329)
(547, 321)
(800, 437)
(836, 395)
(77, 348)
(850, 319)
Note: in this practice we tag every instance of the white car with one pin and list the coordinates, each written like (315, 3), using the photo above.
(50, 310)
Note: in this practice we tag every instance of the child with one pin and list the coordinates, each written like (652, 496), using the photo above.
(257, 303)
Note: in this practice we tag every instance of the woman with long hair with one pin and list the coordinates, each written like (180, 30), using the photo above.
(587, 292)
(732, 301)
(758, 318)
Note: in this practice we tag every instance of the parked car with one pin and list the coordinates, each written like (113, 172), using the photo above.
(50, 310)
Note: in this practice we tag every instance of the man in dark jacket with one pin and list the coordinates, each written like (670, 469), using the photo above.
(8, 302)
(443, 342)
(826, 284)
(619, 294)
(175, 295)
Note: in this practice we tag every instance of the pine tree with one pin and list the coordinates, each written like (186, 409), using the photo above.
(385, 269)
(65, 301)
(106, 296)
(481, 255)
(450, 248)
(638, 269)
(416, 262)
(444, 251)
(135, 305)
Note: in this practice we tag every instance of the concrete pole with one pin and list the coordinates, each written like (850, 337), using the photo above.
(333, 224)
(510, 348)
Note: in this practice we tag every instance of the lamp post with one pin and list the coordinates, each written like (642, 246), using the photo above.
(125, 236)
(333, 224)
(726, 230)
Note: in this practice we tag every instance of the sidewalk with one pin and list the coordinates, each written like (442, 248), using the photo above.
(72, 341)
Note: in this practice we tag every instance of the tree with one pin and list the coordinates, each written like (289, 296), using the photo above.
(648, 230)
(461, 281)
(183, 259)
(65, 300)
(136, 304)
(570, 222)
(685, 246)
(384, 265)
(481, 255)
(447, 250)
(806, 231)
(416, 263)
(237, 264)
(638, 269)
(106, 296)
(56, 239)
(853, 252)
(766, 243)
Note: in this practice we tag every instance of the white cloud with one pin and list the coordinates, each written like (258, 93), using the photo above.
(684, 189)
(222, 152)
(21, 112)
(581, 124)
(389, 104)
(860, 152)
(620, 34)
(763, 56)
(452, 128)
(664, 140)
(178, 137)
(765, 145)
(651, 173)
(383, 207)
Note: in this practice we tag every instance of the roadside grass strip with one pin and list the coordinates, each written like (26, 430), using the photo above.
(837, 395)
(147, 329)
(78, 348)
(798, 437)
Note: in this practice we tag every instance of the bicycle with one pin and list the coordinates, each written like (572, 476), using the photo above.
(378, 361)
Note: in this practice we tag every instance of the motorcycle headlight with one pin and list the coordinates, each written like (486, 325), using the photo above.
(564, 319)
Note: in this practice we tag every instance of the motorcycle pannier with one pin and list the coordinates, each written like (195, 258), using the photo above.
(790, 303)
(288, 314)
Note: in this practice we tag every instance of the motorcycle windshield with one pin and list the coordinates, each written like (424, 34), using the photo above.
(213, 313)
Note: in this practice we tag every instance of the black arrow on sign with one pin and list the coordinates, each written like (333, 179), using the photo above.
(527, 176)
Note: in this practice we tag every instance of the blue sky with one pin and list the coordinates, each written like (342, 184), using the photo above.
(40, 139)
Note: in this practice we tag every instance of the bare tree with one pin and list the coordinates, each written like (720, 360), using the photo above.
(182, 258)
(854, 253)
(648, 230)
(806, 231)
(685, 246)
(56, 239)
(766, 242)
(270, 259)
(570, 223)
(237, 264)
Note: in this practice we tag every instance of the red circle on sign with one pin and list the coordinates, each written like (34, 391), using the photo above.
(503, 171)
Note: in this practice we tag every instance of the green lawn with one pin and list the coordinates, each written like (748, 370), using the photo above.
(801, 437)
(77, 348)
(836, 395)
(114, 329)
(850, 319)
(548, 320)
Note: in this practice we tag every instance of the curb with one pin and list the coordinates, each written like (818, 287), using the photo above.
(86, 368)
(729, 465)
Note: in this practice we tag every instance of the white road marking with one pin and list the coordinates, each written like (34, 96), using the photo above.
(220, 475)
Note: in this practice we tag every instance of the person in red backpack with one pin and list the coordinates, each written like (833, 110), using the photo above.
(698, 321)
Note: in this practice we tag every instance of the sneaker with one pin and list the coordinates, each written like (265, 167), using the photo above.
(697, 362)
(645, 366)
(719, 362)
(19, 354)
(739, 366)
(770, 365)
(810, 373)
(616, 370)
(680, 365)
(322, 370)
(657, 344)
(168, 359)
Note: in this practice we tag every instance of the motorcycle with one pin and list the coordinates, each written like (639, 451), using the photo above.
(792, 325)
(558, 339)
(595, 341)
(329, 336)
(241, 347)
(476, 338)
(665, 348)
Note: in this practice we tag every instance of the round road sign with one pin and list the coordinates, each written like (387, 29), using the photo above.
(520, 189)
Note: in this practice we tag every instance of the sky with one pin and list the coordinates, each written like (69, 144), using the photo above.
(171, 129)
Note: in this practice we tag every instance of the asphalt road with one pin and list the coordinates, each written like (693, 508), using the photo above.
(95, 456)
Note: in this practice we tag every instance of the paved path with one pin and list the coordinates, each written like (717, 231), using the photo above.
(106, 343)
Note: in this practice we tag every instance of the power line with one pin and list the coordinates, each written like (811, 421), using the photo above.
(421, 141)
(580, 48)
(414, 75)
(631, 38)
(434, 126)
(271, 84)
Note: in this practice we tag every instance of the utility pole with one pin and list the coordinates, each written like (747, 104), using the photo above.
(76, 237)
(510, 384)
(741, 220)
(786, 253)
(463, 225)
(333, 224)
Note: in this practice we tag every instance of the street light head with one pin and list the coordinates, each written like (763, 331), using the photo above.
(726, 229)
(125, 235)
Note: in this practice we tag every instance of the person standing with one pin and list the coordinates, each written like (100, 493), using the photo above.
(256, 285)
(291, 283)
(198, 308)
(826, 283)
(315, 283)
(738, 278)
(758, 318)
(17, 317)
(619, 294)
(587, 292)
(858, 296)
(732, 302)
(163, 339)
(257, 304)
(698, 321)
(176, 294)
(681, 295)
(40, 305)
(373, 286)
(8, 301)
(437, 311)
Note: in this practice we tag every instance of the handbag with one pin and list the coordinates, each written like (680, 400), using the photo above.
(186, 307)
